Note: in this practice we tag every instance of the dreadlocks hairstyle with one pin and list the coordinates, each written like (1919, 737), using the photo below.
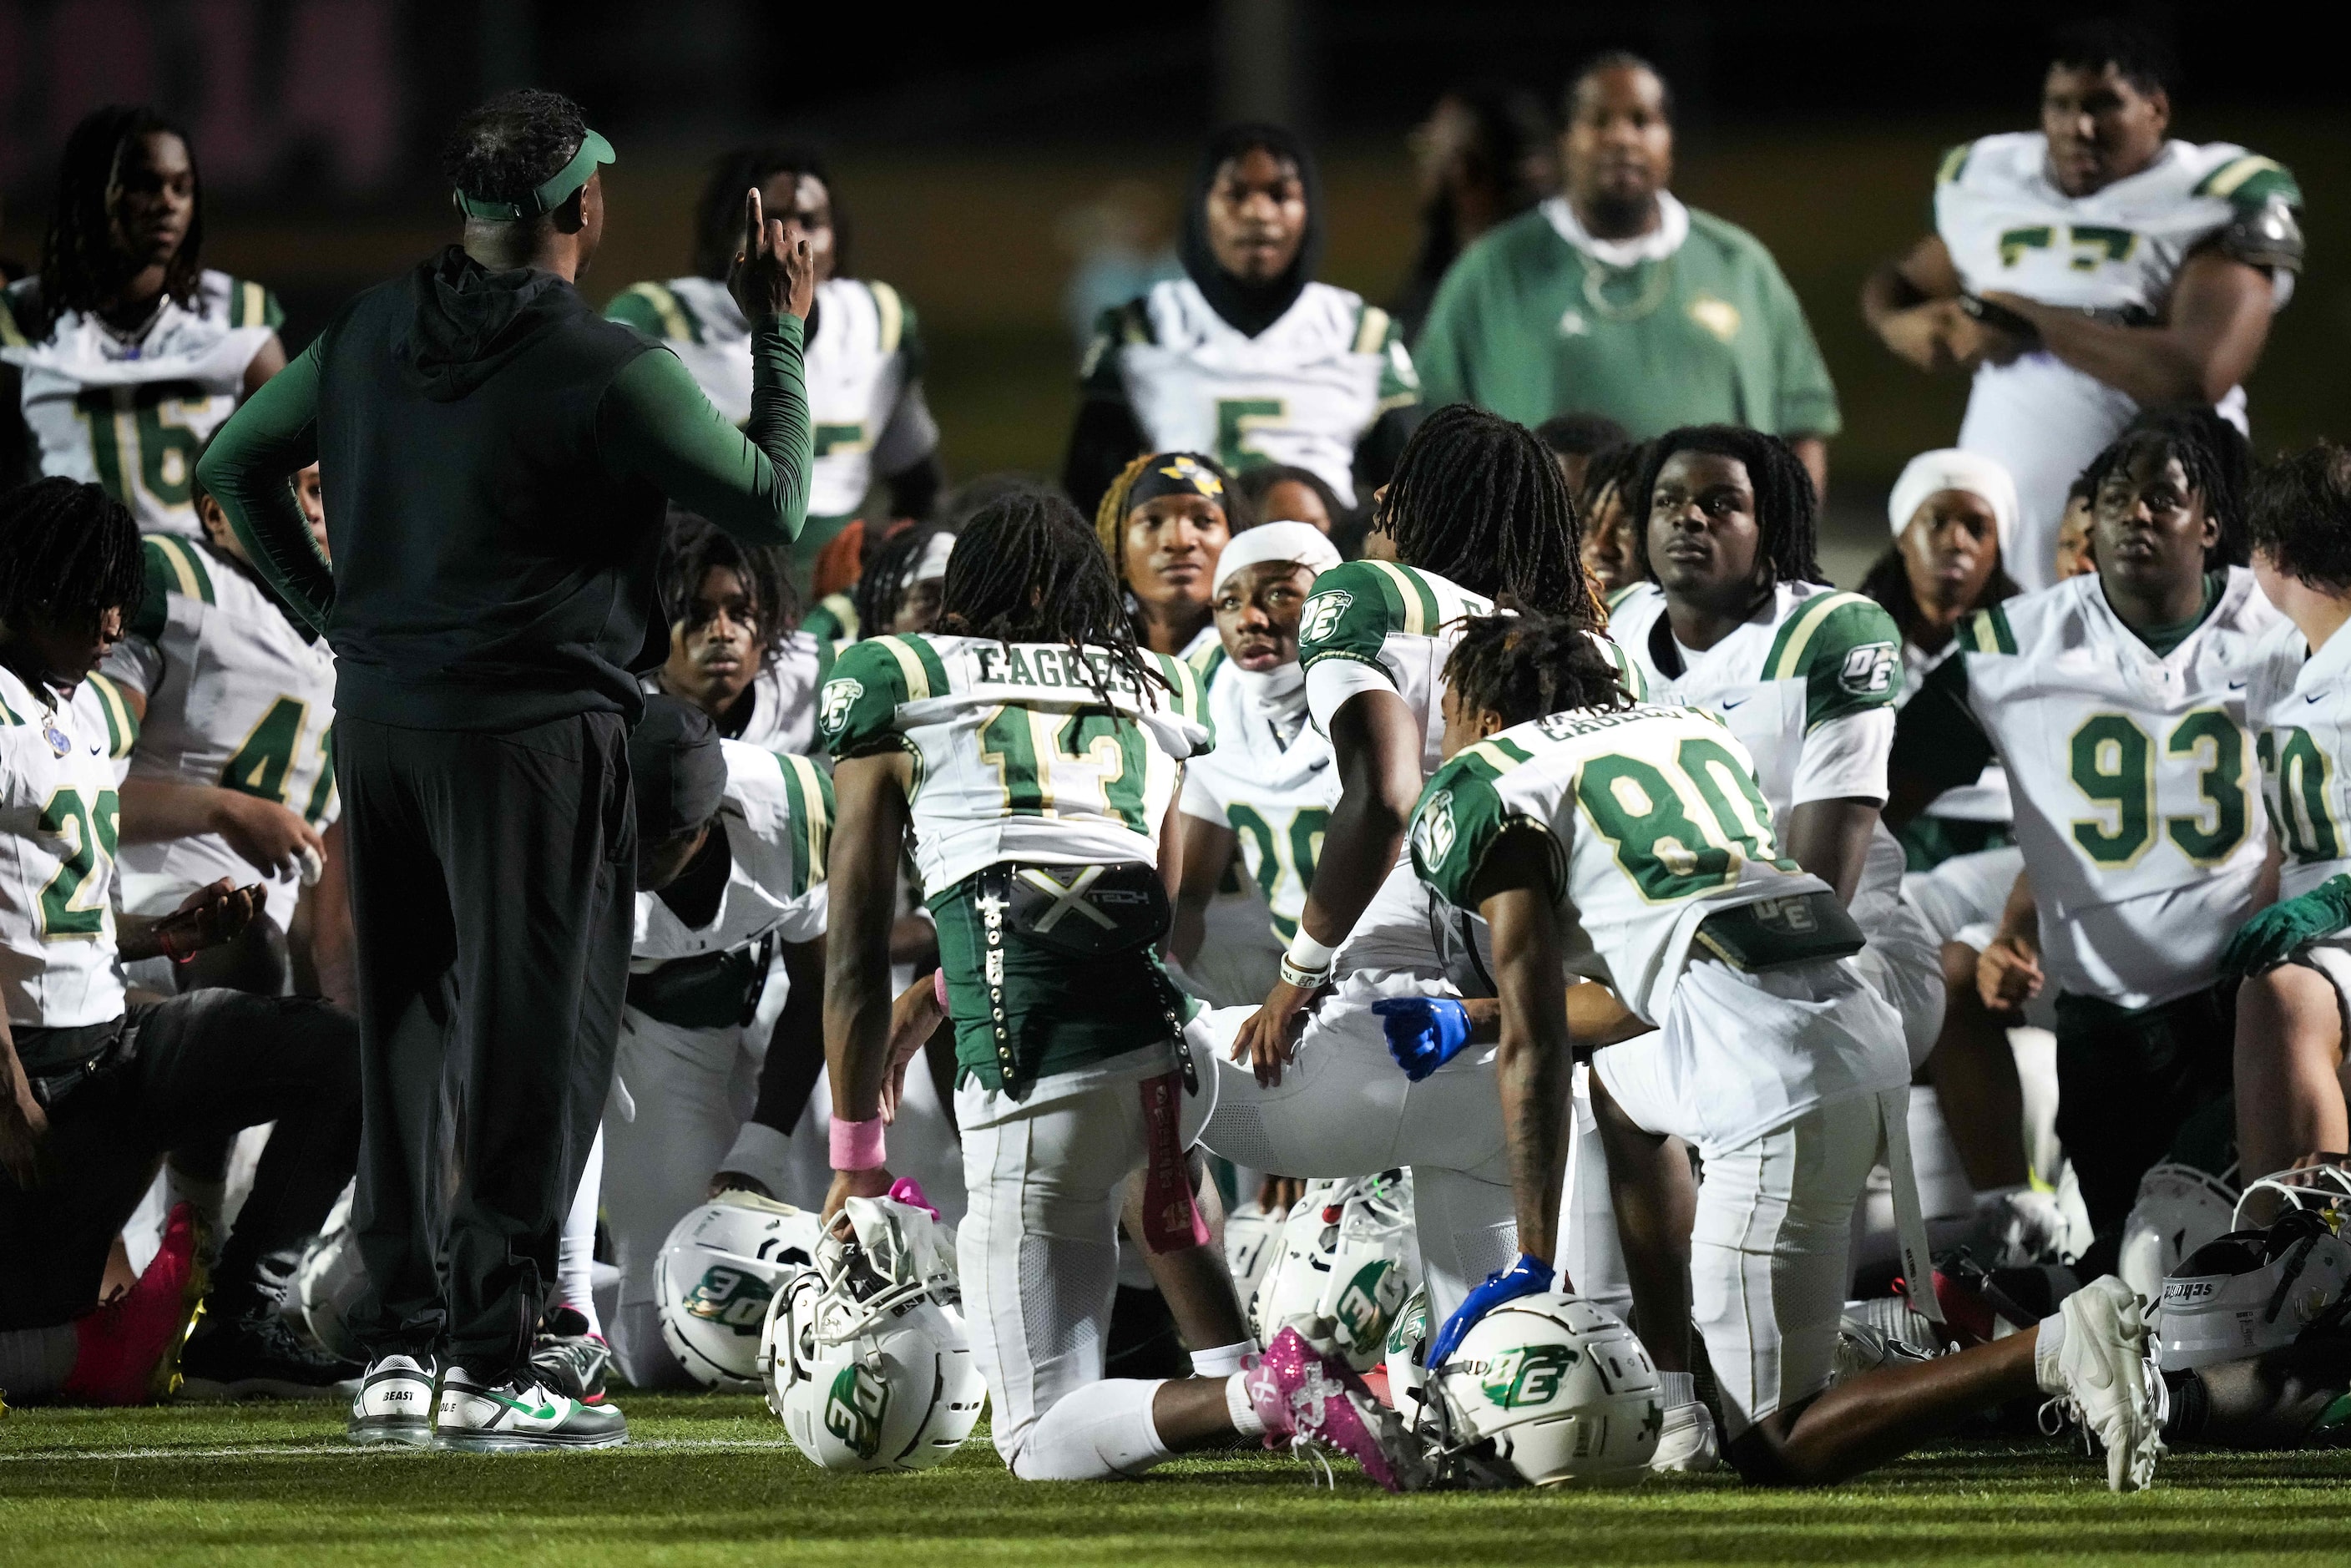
(2216, 459)
(1787, 511)
(889, 572)
(513, 144)
(1480, 501)
(2299, 514)
(1618, 466)
(69, 553)
(1110, 516)
(718, 215)
(79, 263)
(696, 547)
(1521, 667)
(1025, 570)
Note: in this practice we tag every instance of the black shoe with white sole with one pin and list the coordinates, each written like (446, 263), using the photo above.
(259, 1356)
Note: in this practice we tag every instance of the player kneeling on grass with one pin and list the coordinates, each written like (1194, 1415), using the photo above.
(1073, 1070)
(94, 1092)
(1630, 843)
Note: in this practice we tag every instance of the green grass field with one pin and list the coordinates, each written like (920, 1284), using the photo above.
(713, 1480)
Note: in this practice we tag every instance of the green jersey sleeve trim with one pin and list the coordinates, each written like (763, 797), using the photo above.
(1954, 164)
(1354, 606)
(1848, 651)
(891, 311)
(857, 709)
(1189, 692)
(2251, 180)
(654, 308)
(1206, 663)
(810, 793)
(180, 566)
(834, 619)
(1628, 673)
(1460, 818)
(121, 727)
(1987, 632)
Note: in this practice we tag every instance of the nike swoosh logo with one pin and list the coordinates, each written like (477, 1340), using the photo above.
(1728, 702)
(2313, 696)
(2236, 686)
(543, 1413)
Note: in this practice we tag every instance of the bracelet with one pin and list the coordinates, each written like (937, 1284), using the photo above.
(857, 1145)
(1304, 979)
(939, 988)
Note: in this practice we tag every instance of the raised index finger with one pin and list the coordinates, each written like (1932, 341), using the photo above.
(754, 223)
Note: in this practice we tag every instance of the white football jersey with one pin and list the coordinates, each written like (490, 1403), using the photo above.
(1017, 754)
(783, 696)
(864, 357)
(2133, 778)
(239, 695)
(777, 816)
(131, 415)
(1301, 392)
(1277, 799)
(2011, 230)
(2298, 705)
(60, 818)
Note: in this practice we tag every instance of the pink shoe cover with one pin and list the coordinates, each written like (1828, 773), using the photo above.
(1305, 1397)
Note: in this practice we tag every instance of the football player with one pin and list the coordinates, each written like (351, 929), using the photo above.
(129, 350)
(2290, 1009)
(731, 863)
(1740, 620)
(1162, 522)
(2116, 702)
(732, 649)
(1605, 512)
(1583, 834)
(2089, 269)
(863, 355)
(98, 1089)
(1033, 698)
(1280, 493)
(1246, 357)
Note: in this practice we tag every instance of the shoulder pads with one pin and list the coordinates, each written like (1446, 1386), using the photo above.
(2267, 235)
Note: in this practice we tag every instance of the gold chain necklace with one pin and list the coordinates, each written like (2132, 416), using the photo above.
(1597, 273)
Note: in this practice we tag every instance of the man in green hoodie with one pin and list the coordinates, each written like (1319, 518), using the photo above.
(497, 459)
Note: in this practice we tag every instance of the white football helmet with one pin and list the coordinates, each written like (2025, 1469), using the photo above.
(328, 1283)
(2324, 1188)
(1349, 1259)
(716, 1275)
(1551, 1390)
(1407, 1342)
(864, 1355)
(2179, 1209)
(2250, 1292)
(1252, 1241)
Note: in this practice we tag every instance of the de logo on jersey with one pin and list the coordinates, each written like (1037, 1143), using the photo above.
(1868, 670)
(1321, 616)
(1432, 830)
(833, 709)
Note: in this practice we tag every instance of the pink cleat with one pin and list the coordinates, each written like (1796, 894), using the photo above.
(1309, 1400)
(130, 1348)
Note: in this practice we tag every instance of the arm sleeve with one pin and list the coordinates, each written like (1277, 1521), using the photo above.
(1936, 736)
(753, 482)
(274, 434)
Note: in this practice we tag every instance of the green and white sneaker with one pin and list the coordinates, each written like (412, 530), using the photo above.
(395, 1404)
(521, 1412)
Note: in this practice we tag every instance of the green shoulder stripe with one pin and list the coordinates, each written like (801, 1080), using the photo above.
(834, 619)
(1189, 692)
(7, 714)
(2251, 180)
(1206, 663)
(1987, 632)
(1617, 596)
(889, 311)
(1460, 816)
(251, 305)
(1372, 328)
(122, 723)
(655, 307)
(180, 566)
(1354, 606)
(1846, 649)
(857, 709)
(1628, 673)
(1954, 164)
(810, 792)
(1791, 650)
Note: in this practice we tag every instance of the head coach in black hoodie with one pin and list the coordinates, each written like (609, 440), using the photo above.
(495, 459)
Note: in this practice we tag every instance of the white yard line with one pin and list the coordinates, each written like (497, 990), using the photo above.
(345, 1451)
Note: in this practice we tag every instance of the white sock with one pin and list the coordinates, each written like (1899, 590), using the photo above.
(1223, 1360)
(1102, 1430)
(35, 1363)
(1239, 1405)
(1678, 1387)
(2046, 1350)
(575, 1268)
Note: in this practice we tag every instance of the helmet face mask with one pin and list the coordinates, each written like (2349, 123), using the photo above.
(863, 1353)
(716, 1277)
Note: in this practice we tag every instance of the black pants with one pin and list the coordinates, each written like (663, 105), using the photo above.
(493, 877)
(193, 1071)
(2127, 1082)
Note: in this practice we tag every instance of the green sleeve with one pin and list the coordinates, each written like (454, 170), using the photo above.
(274, 434)
(1852, 661)
(637, 309)
(1805, 401)
(752, 482)
(857, 709)
(1460, 818)
(1937, 739)
(1348, 616)
(808, 789)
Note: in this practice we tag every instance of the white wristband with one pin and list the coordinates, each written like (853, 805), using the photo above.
(1309, 955)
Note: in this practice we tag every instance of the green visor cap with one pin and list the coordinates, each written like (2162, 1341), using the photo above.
(593, 149)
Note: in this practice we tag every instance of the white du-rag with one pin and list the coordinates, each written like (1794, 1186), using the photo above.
(1948, 468)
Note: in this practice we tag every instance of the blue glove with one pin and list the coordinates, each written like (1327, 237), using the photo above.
(1526, 1277)
(2273, 935)
(1424, 1032)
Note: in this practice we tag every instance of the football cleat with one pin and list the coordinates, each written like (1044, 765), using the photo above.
(1687, 1444)
(570, 1359)
(129, 1349)
(259, 1356)
(395, 1404)
(1311, 1399)
(518, 1414)
(2105, 1382)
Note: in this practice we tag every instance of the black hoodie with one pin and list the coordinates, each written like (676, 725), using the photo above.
(492, 570)
(1251, 307)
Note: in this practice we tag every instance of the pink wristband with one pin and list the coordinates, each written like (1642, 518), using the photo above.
(857, 1145)
(939, 988)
